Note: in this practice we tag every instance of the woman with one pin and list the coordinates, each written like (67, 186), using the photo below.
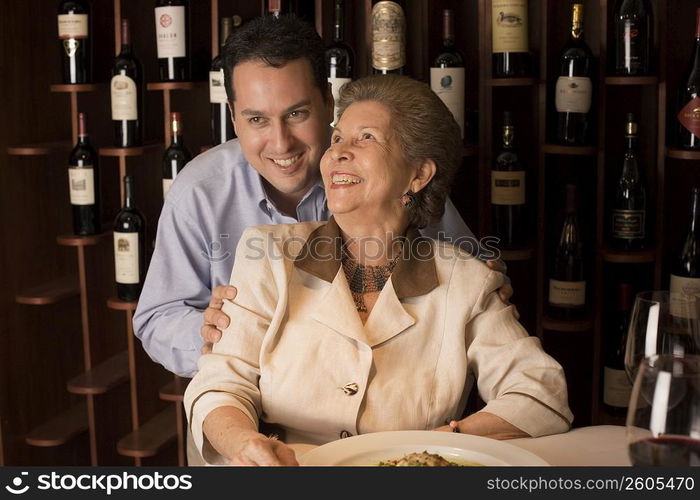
(359, 325)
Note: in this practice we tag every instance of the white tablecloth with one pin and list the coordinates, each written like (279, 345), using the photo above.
(604, 445)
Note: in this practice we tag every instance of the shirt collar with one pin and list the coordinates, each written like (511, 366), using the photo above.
(415, 273)
(267, 204)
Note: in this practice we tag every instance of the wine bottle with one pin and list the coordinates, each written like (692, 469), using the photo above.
(509, 42)
(629, 210)
(84, 184)
(339, 56)
(127, 94)
(221, 125)
(617, 388)
(685, 269)
(633, 37)
(508, 191)
(388, 37)
(172, 26)
(567, 285)
(129, 246)
(574, 89)
(177, 155)
(74, 35)
(689, 98)
(447, 73)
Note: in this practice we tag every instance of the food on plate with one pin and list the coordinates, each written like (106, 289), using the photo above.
(423, 459)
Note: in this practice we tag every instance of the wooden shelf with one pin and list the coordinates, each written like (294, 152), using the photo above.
(151, 437)
(72, 240)
(515, 254)
(76, 87)
(683, 154)
(511, 82)
(470, 150)
(632, 257)
(558, 325)
(121, 305)
(103, 377)
(173, 85)
(40, 149)
(50, 292)
(60, 429)
(557, 149)
(174, 391)
(631, 80)
(135, 151)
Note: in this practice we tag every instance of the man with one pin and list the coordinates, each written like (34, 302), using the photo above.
(281, 109)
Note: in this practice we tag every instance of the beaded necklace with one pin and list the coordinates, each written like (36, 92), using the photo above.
(365, 279)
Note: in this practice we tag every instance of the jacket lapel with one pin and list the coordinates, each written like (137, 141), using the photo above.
(388, 317)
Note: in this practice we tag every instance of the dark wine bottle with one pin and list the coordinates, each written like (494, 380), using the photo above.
(689, 98)
(221, 125)
(172, 30)
(177, 155)
(617, 387)
(509, 42)
(567, 285)
(340, 58)
(447, 72)
(574, 89)
(685, 268)
(84, 184)
(127, 94)
(508, 191)
(74, 34)
(388, 37)
(633, 37)
(129, 246)
(629, 211)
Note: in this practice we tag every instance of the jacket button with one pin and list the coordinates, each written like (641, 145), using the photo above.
(350, 389)
(344, 434)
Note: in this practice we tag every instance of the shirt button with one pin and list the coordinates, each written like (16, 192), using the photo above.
(344, 434)
(350, 389)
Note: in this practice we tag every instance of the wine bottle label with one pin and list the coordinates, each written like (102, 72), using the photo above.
(683, 295)
(166, 186)
(573, 94)
(633, 38)
(336, 84)
(628, 224)
(217, 87)
(388, 36)
(509, 25)
(507, 188)
(170, 31)
(617, 388)
(567, 293)
(123, 90)
(72, 26)
(689, 116)
(448, 84)
(82, 185)
(126, 258)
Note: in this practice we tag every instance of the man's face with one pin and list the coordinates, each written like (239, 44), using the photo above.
(282, 123)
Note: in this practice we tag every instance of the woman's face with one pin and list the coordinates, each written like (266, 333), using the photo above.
(364, 171)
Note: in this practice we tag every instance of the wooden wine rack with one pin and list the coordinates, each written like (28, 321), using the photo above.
(102, 419)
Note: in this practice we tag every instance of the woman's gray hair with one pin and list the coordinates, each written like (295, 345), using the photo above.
(425, 128)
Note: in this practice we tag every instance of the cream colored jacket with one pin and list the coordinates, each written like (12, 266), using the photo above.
(297, 354)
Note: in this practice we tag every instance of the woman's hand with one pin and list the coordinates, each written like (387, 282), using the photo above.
(214, 319)
(484, 424)
(254, 448)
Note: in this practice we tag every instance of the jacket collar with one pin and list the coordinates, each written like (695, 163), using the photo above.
(415, 273)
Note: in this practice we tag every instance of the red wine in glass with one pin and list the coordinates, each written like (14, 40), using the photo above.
(666, 450)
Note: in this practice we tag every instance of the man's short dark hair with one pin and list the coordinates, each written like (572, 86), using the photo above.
(275, 42)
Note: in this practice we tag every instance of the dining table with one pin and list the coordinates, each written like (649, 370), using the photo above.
(597, 445)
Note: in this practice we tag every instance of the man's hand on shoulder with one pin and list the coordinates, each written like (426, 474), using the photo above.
(214, 319)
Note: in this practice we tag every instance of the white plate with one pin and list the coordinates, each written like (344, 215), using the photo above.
(370, 449)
